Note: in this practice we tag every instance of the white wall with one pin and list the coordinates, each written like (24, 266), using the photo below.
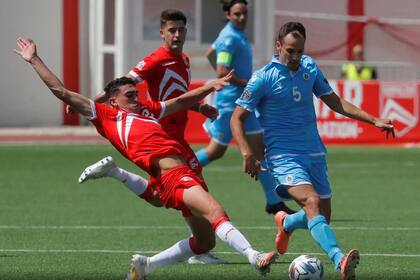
(25, 101)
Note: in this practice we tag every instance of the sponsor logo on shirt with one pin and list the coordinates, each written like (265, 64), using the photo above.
(186, 179)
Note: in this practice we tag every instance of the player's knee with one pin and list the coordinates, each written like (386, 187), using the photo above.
(311, 205)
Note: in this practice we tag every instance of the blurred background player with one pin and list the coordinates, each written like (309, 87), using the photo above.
(166, 72)
(282, 91)
(153, 150)
(358, 70)
(232, 50)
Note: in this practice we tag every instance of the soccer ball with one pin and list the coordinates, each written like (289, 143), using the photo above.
(306, 267)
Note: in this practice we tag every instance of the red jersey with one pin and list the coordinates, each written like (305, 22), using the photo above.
(138, 137)
(167, 76)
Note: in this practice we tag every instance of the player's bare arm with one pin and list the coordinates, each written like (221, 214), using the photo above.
(190, 98)
(340, 105)
(206, 110)
(250, 163)
(27, 50)
(222, 70)
(211, 57)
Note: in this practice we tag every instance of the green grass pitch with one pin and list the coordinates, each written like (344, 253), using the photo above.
(53, 228)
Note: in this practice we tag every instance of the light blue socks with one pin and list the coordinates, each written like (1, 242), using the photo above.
(324, 236)
(295, 221)
(202, 157)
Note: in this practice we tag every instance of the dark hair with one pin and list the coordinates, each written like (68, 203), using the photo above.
(294, 28)
(227, 4)
(170, 14)
(113, 86)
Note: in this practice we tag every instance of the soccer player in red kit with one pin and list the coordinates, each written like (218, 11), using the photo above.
(132, 128)
(166, 72)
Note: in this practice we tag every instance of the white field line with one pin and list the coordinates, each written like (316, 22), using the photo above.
(104, 251)
(92, 227)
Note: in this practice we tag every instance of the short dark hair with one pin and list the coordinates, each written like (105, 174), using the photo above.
(113, 86)
(294, 28)
(171, 14)
(227, 4)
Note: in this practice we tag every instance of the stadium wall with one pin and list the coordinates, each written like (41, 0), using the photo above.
(24, 99)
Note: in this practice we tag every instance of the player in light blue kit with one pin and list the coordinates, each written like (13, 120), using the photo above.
(232, 50)
(282, 91)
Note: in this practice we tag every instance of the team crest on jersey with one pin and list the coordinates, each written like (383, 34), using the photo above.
(193, 163)
(140, 65)
(187, 62)
(400, 103)
(306, 76)
(145, 112)
(246, 95)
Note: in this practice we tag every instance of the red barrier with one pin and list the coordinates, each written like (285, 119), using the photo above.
(398, 101)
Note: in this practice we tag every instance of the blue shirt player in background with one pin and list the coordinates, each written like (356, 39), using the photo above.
(232, 50)
(282, 91)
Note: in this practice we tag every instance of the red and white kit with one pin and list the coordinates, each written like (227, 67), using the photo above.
(168, 76)
(141, 139)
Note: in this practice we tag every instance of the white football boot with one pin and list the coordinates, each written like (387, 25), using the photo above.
(137, 268)
(97, 170)
(206, 258)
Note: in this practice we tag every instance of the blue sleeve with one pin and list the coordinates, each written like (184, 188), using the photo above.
(321, 85)
(253, 92)
(226, 44)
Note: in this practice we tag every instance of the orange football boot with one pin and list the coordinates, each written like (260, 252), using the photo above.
(348, 265)
(282, 237)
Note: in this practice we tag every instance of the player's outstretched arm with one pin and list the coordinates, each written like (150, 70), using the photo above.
(188, 99)
(347, 109)
(27, 50)
(250, 164)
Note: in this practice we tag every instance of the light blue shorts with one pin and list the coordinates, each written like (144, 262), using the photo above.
(219, 129)
(295, 170)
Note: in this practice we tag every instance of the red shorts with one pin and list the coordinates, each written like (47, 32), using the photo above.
(171, 186)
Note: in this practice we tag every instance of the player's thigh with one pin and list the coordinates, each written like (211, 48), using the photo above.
(215, 150)
(202, 203)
